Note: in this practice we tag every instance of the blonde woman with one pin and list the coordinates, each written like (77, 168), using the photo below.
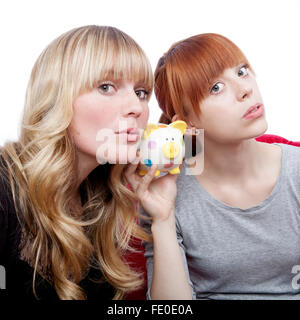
(66, 216)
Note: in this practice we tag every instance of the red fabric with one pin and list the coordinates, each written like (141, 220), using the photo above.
(271, 138)
(138, 261)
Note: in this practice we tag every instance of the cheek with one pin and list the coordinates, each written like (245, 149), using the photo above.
(88, 118)
(90, 114)
(143, 119)
(219, 116)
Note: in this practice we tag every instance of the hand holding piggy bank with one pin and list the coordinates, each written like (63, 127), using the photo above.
(162, 145)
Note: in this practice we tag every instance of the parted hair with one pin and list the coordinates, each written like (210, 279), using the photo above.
(184, 74)
(61, 244)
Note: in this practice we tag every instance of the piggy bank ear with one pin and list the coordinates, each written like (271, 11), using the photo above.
(180, 125)
(149, 128)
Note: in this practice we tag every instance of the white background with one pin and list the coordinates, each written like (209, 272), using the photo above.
(268, 32)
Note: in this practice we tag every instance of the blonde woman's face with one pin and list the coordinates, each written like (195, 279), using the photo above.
(108, 121)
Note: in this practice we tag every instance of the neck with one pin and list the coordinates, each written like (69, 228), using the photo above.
(86, 164)
(236, 161)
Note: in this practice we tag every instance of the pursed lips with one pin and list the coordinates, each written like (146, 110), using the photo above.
(131, 134)
(252, 109)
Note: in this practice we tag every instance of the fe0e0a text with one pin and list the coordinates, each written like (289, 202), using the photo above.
(171, 309)
(157, 309)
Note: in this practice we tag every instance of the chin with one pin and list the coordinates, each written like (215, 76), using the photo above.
(261, 128)
(258, 129)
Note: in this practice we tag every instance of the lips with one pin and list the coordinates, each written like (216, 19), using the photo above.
(129, 131)
(254, 111)
(133, 131)
(130, 134)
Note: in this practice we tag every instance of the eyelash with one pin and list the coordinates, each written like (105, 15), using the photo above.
(246, 65)
(106, 84)
(215, 93)
(146, 92)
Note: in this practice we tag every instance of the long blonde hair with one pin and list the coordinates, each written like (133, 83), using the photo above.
(61, 245)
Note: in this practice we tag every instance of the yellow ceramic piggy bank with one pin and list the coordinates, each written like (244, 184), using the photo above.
(162, 145)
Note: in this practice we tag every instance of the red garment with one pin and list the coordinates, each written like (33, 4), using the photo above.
(138, 261)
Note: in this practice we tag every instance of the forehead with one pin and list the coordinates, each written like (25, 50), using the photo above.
(231, 71)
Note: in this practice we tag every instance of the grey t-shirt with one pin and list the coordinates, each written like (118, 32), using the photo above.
(231, 253)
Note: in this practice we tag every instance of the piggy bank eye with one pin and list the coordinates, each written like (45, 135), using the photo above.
(173, 139)
(167, 139)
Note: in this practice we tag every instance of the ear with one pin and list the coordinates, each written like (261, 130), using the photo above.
(180, 125)
(149, 128)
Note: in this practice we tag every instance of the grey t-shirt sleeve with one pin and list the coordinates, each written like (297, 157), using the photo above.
(146, 224)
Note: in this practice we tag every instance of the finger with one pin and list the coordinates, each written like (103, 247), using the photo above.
(146, 180)
(131, 176)
(137, 158)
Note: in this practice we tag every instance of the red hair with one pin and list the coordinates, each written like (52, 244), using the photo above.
(185, 73)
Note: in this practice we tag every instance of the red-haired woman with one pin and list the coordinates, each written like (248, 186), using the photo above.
(234, 230)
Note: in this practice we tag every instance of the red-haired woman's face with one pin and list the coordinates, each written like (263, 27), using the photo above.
(230, 111)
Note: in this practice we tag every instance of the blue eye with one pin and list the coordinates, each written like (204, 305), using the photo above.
(216, 88)
(243, 71)
(142, 94)
(106, 87)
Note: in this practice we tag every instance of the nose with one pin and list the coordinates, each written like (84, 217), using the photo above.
(132, 106)
(243, 92)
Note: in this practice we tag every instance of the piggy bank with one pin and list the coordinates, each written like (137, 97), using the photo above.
(163, 146)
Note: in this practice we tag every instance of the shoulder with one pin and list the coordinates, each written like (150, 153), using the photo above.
(287, 156)
(290, 164)
(289, 147)
(290, 154)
